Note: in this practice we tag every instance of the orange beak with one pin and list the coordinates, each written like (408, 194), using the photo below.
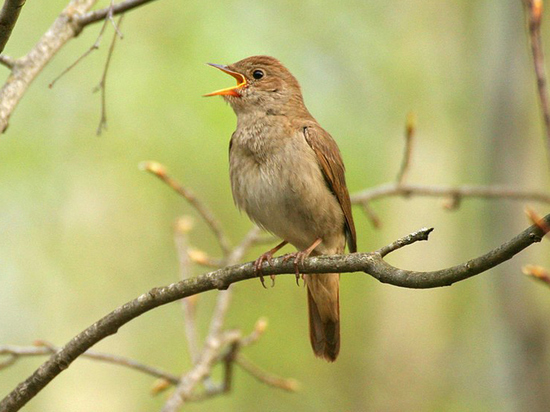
(229, 91)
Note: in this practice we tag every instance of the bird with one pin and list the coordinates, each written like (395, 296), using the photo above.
(288, 175)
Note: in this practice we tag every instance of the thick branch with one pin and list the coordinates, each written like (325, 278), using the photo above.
(8, 18)
(371, 263)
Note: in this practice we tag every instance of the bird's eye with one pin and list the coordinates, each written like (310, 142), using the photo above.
(258, 74)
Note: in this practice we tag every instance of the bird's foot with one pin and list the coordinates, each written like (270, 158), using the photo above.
(300, 257)
(297, 260)
(266, 257)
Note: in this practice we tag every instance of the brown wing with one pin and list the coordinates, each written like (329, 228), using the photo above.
(332, 166)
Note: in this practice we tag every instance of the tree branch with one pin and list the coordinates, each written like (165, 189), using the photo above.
(410, 127)
(457, 192)
(8, 17)
(43, 348)
(533, 11)
(372, 263)
(68, 25)
(99, 15)
(213, 223)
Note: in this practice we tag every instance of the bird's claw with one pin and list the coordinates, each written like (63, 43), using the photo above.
(266, 257)
(299, 258)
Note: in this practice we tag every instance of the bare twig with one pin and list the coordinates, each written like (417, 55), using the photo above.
(29, 66)
(421, 234)
(463, 191)
(222, 303)
(200, 371)
(42, 348)
(7, 61)
(372, 263)
(371, 214)
(215, 342)
(257, 332)
(93, 47)
(406, 162)
(68, 25)
(189, 305)
(160, 171)
(8, 17)
(290, 385)
(102, 84)
(98, 15)
(533, 10)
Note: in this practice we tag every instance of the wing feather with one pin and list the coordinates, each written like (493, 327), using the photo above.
(332, 166)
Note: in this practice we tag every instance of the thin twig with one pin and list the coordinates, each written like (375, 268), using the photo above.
(257, 332)
(371, 214)
(371, 263)
(7, 61)
(533, 10)
(185, 388)
(110, 16)
(102, 84)
(160, 171)
(419, 235)
(43, 348)
(189, 305)
(209, 356)
(463, 191)
(410, 128)
(290, 385)
(69, 24)
(93, 47)
(98, 15)
(29, 66)
(8, 17)
(224, 297)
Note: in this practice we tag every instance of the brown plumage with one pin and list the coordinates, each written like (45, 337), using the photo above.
(287, 174)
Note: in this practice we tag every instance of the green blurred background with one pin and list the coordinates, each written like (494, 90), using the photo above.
(83, 230)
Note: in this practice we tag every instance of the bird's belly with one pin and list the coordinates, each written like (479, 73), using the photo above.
(289, 200)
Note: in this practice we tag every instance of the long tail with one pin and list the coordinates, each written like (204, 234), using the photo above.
(323, 303)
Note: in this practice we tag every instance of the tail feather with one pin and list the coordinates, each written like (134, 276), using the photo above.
(324, 326)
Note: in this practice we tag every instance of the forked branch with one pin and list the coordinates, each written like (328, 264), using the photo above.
(371, 263)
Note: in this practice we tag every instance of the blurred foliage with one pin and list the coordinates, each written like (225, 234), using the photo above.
(83, 230)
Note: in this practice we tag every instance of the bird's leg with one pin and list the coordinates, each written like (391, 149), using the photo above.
(266, 257)
(300, 256)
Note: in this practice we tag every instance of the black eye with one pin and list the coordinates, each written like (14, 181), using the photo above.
(258, 74)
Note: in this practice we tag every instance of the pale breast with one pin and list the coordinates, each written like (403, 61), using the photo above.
(277, 181)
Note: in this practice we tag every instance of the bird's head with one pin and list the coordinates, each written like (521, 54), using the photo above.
(263, 84)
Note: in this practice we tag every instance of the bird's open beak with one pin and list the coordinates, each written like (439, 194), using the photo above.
(229, 91)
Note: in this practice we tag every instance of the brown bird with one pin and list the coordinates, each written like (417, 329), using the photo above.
(287, 174)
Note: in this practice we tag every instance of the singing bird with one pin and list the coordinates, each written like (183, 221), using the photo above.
(288, 175)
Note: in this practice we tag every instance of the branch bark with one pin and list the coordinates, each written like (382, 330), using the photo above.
(372, 263)
(8, 17)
